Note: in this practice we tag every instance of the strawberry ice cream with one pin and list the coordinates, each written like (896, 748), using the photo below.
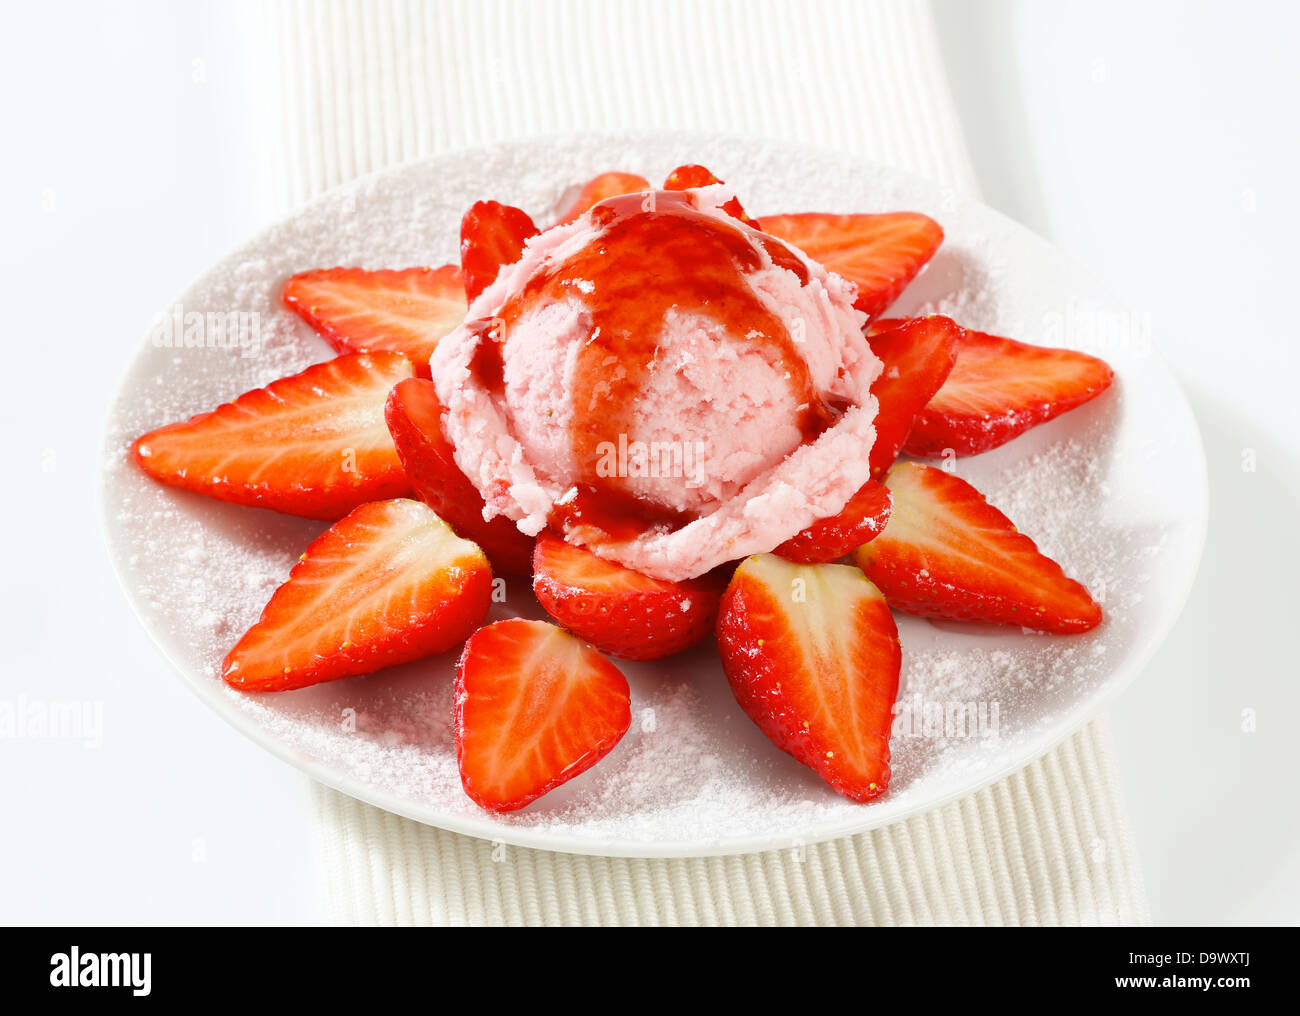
(662, 384)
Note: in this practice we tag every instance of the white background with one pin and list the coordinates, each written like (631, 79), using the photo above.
(1156, 143)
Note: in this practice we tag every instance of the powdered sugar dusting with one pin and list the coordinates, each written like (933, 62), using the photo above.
(693, 773)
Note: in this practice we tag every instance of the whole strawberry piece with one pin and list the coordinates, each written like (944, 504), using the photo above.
(388, 584)
(618, 610)
(947, 552)
(812, 656)
(881, 254)
(917, 357)
(829, 539)
(313, 444)
(414, 417)
(607, 185)
(491, 235)
(534, 708)
(998, 389)
(358, 311)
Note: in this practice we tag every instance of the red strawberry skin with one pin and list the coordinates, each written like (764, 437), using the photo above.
(534, 708)
(414, 417)
(917, 356)
(388, 584)
(819, 673)
(491, 235)
(947, 552)
(861, 521)
(357, 311)
(998, 389)
(606, 185)
(881, 254)
(313, 444)
(618, 610)
(690, 177)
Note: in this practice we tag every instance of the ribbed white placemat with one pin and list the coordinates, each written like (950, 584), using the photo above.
(355, 86)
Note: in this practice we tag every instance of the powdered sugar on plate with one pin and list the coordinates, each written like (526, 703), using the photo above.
(1111, 490)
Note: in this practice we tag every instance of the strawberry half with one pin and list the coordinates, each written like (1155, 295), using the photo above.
(491, 235)
(414, 417)
(388, 584)
(947, 552)
(313, 444)
(812, 656)
(881, 254)
(607, 185)
(358, 311)
(618, 610)
(998, 389)
(690, 177)
(917, 356)
(534, 708)
(860, 521)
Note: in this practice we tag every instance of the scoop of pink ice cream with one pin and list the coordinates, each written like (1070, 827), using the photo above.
(663, 384)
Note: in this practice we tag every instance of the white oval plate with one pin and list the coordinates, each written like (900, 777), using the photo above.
(1115, 491)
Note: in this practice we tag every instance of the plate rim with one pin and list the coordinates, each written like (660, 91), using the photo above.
(542, 837)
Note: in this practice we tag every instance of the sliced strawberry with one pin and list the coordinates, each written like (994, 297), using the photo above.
(313, 444)
(414, 417)
(690, 177)
(998, 389)
(607, 185)
(534, 708)
(947, 552)
(917, 356)
(880, 254)
(357, 311)
(859, 522)
(812, 655)
(491, 235)
(388, 584)
(879, 325)
(618, 610)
